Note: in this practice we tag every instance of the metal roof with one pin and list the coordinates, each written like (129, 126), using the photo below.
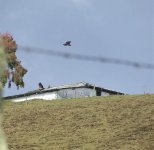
(65, 86)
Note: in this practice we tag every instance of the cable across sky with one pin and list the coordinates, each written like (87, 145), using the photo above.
(84, 57)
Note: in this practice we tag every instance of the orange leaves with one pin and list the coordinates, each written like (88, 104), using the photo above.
(8, 42)
(15, 71)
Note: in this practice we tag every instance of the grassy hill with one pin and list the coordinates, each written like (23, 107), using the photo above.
(97, 123)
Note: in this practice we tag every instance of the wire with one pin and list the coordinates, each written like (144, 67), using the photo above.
(99, 59)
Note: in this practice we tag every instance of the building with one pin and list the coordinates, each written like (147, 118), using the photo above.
(76, 90)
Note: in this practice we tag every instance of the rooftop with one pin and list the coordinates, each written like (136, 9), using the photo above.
(65, 86)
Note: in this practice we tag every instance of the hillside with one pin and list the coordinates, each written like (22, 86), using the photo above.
(97, 123)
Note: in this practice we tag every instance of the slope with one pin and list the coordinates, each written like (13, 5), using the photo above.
(97, 123)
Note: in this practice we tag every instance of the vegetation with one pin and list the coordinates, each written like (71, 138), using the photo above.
(3, 145)
(14, 71)
(97, 123)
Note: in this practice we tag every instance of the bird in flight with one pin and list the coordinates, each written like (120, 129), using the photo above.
(67, 43)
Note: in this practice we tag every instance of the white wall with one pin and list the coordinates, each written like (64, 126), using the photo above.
(64, 93)
(44, 96)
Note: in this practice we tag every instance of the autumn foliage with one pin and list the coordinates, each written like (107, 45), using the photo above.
(14, 71)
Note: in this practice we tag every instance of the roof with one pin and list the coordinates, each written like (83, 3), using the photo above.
(75, 85)
(66, 86)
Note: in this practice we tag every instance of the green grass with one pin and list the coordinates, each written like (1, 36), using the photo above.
(97, 123)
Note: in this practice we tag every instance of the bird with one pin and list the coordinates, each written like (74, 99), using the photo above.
(67, 43)
(40, 86)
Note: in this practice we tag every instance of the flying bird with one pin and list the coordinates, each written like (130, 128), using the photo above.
(67, 43)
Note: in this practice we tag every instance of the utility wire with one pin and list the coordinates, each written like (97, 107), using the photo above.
(99, 59)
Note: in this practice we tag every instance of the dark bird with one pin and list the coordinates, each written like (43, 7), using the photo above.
(40, 86)
(67, 43)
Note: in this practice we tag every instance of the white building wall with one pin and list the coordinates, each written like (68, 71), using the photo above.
(44, 96)
(63, 93)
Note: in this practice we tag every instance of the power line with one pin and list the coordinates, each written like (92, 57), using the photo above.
(99, 59)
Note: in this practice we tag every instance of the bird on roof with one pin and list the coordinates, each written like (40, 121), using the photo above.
(40, 86)
(67, 43)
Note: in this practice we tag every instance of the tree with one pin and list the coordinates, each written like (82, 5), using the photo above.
(3, 144)
(14, 71)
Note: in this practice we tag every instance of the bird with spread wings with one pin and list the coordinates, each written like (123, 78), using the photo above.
(67, 43)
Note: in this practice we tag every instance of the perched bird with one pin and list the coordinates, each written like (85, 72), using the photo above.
(40, 86)
(67, 43)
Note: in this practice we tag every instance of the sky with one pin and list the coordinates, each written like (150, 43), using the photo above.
(122, 29)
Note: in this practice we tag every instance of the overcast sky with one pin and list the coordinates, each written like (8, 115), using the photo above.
(120, 29)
